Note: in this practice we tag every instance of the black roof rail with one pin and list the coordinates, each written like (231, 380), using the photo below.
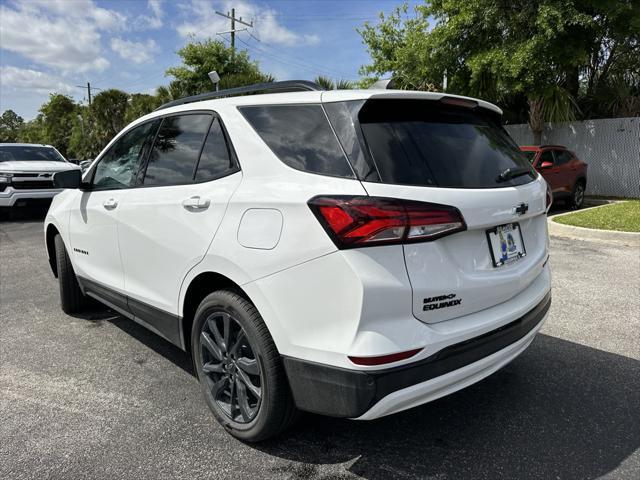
(268, 87)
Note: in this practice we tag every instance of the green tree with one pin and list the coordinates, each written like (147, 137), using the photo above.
(200, 58)
(140, 104)
(10, 125)
(328, 84)
(536, 54)
(58, 115)
(33, 131)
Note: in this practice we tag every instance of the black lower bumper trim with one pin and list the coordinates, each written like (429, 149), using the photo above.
(341, 392)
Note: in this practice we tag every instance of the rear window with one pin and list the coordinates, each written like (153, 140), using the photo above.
(425, 143)
(10, 153)
(301, 137)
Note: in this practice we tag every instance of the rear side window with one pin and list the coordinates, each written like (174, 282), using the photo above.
(301, 137)
(175, 152)
(425, 143)
(215, 160)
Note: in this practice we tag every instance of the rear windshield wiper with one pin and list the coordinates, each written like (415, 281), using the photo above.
(510, 173)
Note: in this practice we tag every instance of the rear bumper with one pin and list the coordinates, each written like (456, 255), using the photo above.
(371, 394)
(10, 196)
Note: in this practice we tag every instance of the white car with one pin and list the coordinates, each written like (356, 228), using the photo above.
(351, 253)
(26, 173)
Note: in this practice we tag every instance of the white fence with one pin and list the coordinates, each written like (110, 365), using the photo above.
(610, 146)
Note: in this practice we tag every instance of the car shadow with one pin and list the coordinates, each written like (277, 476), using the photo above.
(25, 214)
(561, 410)
(98, 314)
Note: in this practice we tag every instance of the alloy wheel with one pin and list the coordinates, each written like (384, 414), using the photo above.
(230, 367)
(579, 195)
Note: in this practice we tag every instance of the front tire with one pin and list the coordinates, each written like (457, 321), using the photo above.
(239, 368)
(577, 195)
(72, 299)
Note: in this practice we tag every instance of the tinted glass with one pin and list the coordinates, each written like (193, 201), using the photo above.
(562, 156)
(301, 137)
(546, 156)
(118, 168)
(531, 155)
(175, 151)
(215, 160)
(9, 153)
(427, 144)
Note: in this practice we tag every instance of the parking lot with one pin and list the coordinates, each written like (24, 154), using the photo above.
(101, 397)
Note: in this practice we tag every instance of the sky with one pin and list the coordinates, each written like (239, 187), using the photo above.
(60, 45)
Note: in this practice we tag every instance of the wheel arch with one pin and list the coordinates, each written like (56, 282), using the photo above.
(199, 287)
(50, 236)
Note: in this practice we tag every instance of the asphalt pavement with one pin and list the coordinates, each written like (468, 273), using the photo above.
(100, 397)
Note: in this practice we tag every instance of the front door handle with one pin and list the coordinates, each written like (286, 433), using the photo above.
(196, 203)
(110, 204)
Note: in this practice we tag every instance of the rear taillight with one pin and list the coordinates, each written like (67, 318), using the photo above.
(366, 221)
(549, 199)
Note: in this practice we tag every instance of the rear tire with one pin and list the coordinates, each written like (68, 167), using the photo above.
(234, 354)
(577, 195)
(72, 300)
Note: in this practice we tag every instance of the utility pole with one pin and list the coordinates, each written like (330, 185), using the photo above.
(88, 91)
(233, 30)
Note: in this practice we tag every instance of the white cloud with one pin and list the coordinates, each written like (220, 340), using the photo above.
(57, 33)
(152, 21)
(203, 22)
(136, 52)
(15, 78)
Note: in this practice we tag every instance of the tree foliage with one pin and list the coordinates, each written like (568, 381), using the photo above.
(199, 58)
(546, 59)
(10, 125)
(58, 116)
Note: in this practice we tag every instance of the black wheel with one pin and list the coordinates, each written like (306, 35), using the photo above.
(577, 195)
(71, 298)
(239, 368)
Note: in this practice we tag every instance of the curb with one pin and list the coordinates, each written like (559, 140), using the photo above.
(631, 239)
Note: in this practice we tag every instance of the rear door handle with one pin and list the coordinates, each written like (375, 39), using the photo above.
(196, 203)
(110, 204)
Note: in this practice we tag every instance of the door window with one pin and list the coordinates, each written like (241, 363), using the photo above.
(546, 156)
(175, 152)
(215, 159)
(118, 168)
(562, 157)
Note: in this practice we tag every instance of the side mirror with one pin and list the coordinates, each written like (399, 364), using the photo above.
(84, 165)
(67, 179)
(544, 165)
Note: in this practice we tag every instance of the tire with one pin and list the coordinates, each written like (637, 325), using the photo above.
(240, 362)
(577, 195)
(72, 299)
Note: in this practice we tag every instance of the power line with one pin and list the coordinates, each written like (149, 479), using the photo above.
(233, 30)
(88, 90)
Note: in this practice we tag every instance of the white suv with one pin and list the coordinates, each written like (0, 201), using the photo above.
(26, 173)
(349, 253)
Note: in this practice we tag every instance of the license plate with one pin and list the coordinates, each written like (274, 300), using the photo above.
(506, 244)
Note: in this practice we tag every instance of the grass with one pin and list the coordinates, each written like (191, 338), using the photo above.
(623, 217)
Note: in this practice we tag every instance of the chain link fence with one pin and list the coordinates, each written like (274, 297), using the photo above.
(610, 146)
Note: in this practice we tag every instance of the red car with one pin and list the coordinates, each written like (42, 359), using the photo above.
(565, 173)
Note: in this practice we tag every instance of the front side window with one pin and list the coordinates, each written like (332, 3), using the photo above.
(118, 168)
(301, 137)
(175, 152)
(546, 156)
(562, 157)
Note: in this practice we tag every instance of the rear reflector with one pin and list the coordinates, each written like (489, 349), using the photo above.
(357, 221)
(394, 357)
